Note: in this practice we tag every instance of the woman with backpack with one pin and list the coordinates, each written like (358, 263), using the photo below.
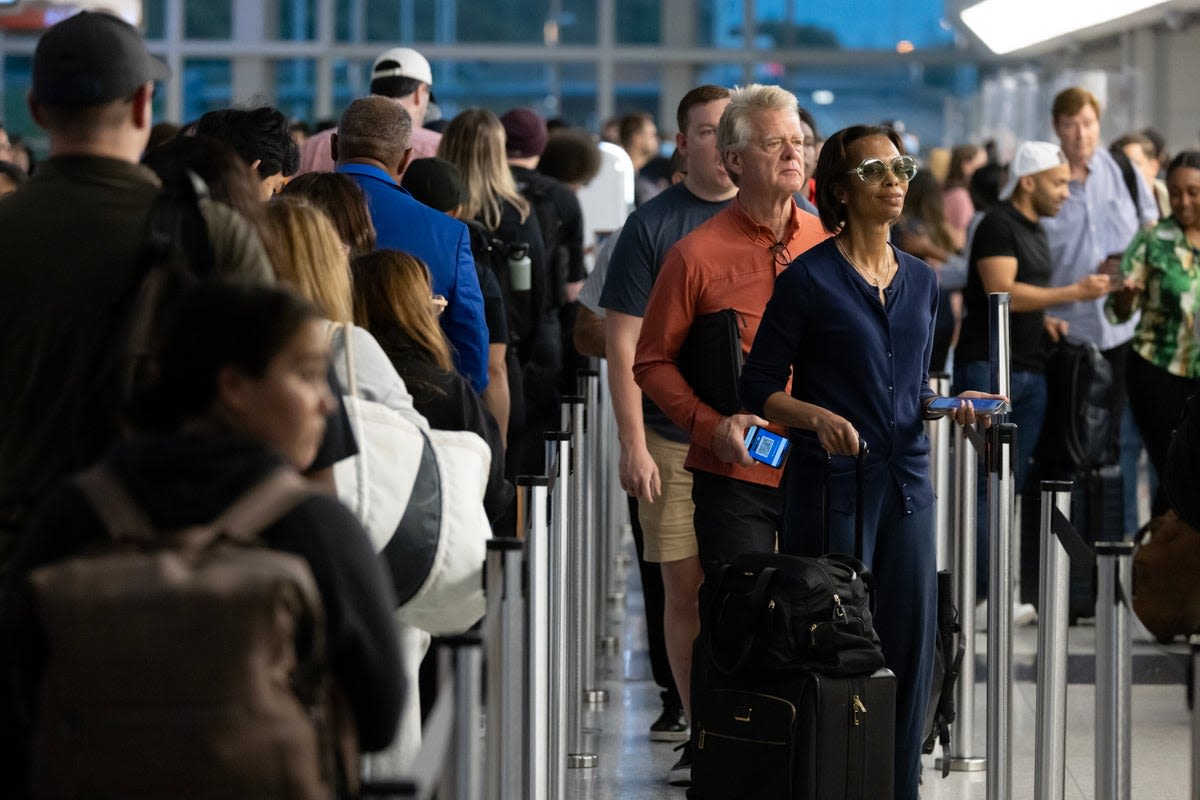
(209, 660)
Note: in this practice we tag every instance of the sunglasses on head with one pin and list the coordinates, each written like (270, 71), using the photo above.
(873, 170)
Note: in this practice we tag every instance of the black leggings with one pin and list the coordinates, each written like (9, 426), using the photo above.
(1157, 399)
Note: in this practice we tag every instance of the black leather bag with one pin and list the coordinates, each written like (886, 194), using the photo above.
(710, 360)
(770, 614)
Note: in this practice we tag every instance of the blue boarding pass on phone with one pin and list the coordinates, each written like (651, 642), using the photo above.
(768, 447)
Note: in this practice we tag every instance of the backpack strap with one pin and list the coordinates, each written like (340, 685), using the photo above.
(262, 505)
(123, 519)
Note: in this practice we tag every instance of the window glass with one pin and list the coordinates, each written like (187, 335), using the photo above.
(206, 85)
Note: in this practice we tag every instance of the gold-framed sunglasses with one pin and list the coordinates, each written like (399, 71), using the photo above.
(874, 170)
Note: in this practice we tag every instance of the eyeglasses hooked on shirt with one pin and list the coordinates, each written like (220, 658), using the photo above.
(873, 170)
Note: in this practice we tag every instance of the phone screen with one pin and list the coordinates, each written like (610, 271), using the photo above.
(767, 447)
(983, 405)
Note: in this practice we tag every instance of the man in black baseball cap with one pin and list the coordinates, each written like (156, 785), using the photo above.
(73, 238)
(92, 58)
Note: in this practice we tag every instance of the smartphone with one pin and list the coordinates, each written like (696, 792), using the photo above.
(983, 405)
(767, 447)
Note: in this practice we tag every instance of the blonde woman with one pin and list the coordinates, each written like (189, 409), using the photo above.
(474, 141)
(394, 300)
(309, 254)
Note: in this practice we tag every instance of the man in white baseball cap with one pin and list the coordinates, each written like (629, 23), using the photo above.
(1010, 252)
(403, 75)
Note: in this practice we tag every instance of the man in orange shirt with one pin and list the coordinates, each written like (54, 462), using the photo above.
(731, 261)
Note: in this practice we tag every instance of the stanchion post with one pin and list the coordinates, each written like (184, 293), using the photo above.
(1194, 641)
(584, 479)
(1001, 441)
(612, 514)
(462, 657)
(1050, 749)
(565, 714)
(538, 760)
(941, 434)
(1114, 670)
(504, 637)
(966, 501)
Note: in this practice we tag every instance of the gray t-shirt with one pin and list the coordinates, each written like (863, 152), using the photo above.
(637, 257)
(589, 295)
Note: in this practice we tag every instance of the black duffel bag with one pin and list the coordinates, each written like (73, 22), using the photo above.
(773, 614)
(770, 614)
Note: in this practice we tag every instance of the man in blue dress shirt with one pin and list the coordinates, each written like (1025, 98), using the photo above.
(373, 146)
(1098, 220)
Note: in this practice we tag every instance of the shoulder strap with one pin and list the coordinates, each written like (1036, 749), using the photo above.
(122, 518)
(347, 329)
(258, 508)
(262, 505)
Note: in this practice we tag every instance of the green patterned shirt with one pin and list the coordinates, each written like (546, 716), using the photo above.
(1163, 261)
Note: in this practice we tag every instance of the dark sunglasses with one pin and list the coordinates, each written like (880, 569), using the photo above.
(873, 170)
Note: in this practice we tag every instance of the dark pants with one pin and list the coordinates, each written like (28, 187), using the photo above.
(1158, 399)
(734, 517)
(655, 600)
(900, 550)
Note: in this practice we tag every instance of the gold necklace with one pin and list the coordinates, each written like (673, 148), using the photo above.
(873, 279)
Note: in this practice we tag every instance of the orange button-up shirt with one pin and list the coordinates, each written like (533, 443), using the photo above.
(728, 262)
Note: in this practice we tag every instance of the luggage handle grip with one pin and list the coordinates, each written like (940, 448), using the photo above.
(826, 502)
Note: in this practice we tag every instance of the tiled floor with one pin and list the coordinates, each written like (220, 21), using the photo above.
(630, 767)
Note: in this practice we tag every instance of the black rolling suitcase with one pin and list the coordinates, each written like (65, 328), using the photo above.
(790, 699)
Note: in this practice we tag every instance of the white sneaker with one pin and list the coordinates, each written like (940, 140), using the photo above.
(1022, 614)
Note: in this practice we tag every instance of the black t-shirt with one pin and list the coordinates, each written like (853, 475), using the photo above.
(1006, 232)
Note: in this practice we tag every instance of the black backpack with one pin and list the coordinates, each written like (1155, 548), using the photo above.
(1080, 407)
(176, 254)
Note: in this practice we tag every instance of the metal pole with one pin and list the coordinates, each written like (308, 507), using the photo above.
(537, 539)
(966, 501)
(504, 634)
(584, 479)
(565, 716)
(571, 599)
(1114, 669)
(1050, 749)
(612, 514)
(462, 657)
(1000, 652)
(941, 433)
(999, 343)
(1194, 641)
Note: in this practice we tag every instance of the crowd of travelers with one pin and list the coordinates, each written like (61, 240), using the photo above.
(449, 257)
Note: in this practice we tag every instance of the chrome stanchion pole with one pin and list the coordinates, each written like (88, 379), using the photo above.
(609, 512)
(966, 500)
(1001, 440)
(998, 343)
(538, 761)
(1194, 641)
(595, 571)
(941, 434)
(564, 689)
(584, 568)
(615, 500)
(462, 657)
(504, 636)
(1050, 749)
(1114, 670)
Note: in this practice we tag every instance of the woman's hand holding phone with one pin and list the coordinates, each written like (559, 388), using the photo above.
(962, 408)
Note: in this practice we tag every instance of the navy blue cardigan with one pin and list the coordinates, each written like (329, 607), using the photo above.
(850, 354)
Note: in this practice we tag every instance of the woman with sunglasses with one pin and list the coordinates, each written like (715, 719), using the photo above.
(852, 321)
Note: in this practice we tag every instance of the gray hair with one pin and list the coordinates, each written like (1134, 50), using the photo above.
(733, 132)
(374, 127)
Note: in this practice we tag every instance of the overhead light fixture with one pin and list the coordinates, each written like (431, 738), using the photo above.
(1009, 25)
(904, 46)
(822, 97)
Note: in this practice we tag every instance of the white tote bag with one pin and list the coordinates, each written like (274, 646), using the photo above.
(420, 496)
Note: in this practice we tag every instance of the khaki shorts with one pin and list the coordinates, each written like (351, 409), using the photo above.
(667, 523)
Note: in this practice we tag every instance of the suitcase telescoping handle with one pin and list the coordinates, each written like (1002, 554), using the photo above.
(827, 503)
